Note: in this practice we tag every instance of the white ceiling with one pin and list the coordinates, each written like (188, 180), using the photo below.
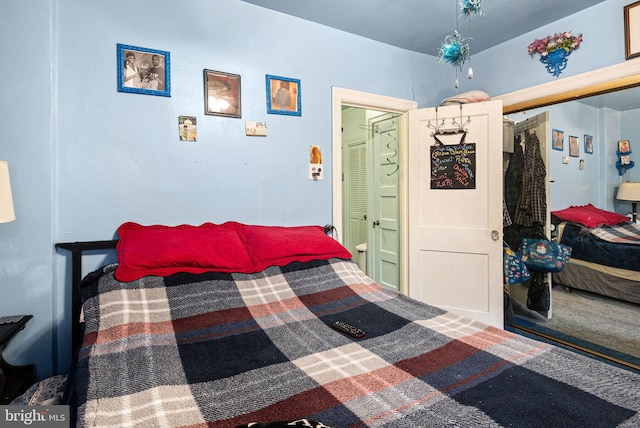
(422, 25)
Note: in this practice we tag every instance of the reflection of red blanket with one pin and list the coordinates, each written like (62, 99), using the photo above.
(627, 233)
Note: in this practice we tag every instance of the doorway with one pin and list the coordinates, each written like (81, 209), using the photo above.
(371, 141)
(363, 230)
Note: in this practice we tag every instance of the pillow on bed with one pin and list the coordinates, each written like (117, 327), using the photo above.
(165, 250)
(589, 216)
(279, 246)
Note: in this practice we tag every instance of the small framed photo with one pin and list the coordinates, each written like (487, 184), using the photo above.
(625, 160)
(187, 129)
(557, 138)
(624, 146)
(574, 150)
(283, 96)
(143, 71)
(632, 30)
(588, 144)
(222, 94)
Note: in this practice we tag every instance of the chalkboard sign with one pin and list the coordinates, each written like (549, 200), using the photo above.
(453, 166)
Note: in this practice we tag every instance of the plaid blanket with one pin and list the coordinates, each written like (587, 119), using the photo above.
(627, 233)
(223, 350)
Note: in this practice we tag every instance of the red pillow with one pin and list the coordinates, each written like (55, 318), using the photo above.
(279, 246)
(165, 250)
(589, 216)
(611, 218)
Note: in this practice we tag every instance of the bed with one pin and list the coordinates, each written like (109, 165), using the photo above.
(230, 324)
(605, 257)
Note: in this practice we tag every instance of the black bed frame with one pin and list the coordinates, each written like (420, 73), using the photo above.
(77, 250)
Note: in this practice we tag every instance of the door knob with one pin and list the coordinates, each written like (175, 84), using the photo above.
(495, 235)
(376, 223)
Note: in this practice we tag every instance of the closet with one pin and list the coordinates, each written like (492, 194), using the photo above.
(515, 130)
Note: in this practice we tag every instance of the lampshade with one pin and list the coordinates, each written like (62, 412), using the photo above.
(629, 191)
(6, 200)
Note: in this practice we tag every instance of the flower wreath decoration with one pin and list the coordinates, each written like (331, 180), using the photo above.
(554, 50)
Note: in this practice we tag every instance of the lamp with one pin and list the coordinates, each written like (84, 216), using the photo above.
(629, 191)
(6, 201)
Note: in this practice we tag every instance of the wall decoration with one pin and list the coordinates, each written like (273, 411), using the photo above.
(588, 144)
(222, 94)
(315, 163)
(554, 50)
(255, 129)
(187, 128)
(557, 137)
(624, 146)
(574, 150)
(632, 30)
(143, 71)
(624, 162)
(453, 166)
(283, 96)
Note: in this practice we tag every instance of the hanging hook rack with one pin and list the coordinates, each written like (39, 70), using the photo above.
(459, 127)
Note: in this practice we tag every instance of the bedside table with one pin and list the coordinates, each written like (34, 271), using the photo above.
(14, 380)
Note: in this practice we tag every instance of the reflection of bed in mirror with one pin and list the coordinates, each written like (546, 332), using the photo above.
(615, 87)
(605, 252)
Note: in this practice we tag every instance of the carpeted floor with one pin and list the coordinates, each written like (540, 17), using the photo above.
(581, 316)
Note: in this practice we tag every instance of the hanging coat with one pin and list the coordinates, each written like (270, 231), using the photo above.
(513, 179)
(532, 206)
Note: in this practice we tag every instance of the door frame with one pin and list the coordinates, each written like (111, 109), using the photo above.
(347, 97)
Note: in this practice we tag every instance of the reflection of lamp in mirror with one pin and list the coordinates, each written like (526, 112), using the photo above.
(6, 200)
(629, 191)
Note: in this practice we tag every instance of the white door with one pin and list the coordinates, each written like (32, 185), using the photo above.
(384, 245)
(455, 234)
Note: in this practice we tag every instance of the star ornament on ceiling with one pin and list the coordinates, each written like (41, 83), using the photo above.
(455, 50)
(469, 7)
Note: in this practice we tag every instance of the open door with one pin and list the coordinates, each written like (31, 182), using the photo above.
(455, 209)
(384, 245)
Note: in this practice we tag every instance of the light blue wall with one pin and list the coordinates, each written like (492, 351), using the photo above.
(569, 184)
(85, 158)
(509, 67)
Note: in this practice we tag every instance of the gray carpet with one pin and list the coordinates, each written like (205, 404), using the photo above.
(604, 321)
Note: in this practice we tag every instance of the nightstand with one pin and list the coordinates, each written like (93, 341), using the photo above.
(17, 379)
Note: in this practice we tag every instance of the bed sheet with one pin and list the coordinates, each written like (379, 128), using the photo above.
(586, 246)
(221, 349)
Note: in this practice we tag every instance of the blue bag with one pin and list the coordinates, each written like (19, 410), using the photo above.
(515, 270)
(543, 255)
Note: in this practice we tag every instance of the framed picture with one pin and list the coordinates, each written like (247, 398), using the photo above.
(143, 71)
(588, 144)
(283, 96)
(573, 146)
(632, 30)
(187, 128)
(557, 139)
(624, 146)
(222, 94)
